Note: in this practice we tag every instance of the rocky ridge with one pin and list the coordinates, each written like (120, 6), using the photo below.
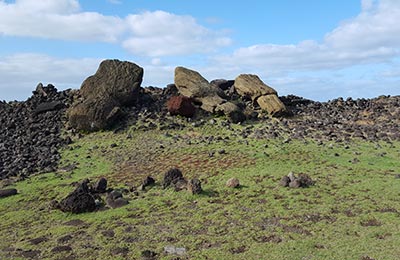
(33, 129)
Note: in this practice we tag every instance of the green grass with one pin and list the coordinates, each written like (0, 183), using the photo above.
(351, 212)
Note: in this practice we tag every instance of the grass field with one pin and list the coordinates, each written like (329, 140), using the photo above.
(352, 212)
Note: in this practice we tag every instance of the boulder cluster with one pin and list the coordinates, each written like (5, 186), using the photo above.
(30, 133)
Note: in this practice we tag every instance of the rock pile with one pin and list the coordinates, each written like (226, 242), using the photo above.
(342, 120)
(300, 181)
(191, 84)
(87, 198)
(30, 133)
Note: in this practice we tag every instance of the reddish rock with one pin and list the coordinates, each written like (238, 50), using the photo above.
(181, 105)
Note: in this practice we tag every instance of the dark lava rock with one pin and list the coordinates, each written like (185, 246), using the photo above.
(181, 105)
(100, 186)
(7, 192)
(78, 201)
(194, 186)
(148, 181)
(172, 177)
(148, 255)
(49, 106)
(30, 135)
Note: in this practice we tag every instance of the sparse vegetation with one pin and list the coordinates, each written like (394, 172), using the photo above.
(352, 211)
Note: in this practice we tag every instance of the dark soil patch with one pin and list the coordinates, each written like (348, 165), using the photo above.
(59, 249)
(75, 223)
(30, 253)
(238, 250)
(269, 239)
(120, 251)
(108, 233)
(64, 239)
(373, 222)
(38, 240)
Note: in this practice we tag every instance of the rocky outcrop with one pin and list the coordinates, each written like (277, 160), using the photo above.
(116, 84)
(210, 97)
(252, 87)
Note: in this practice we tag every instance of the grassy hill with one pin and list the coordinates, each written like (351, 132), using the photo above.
(352, 211)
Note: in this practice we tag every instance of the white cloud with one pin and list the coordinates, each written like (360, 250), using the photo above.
(152, 34)
(371, 37)
(57, 19)
(161, 33)
(19, 73)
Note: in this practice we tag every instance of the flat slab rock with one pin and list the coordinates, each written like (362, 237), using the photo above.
(8, 192)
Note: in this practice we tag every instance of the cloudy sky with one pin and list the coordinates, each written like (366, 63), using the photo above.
(312, 48)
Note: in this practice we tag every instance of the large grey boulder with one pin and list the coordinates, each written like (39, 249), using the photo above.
(114, 85)
(251, 86)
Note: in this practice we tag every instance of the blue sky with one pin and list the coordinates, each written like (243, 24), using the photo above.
(312, 48)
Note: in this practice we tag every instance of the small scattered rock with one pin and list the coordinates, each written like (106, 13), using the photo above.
(194, 186)
(148, 181)
(8, 192)
(148, 255)
(115, 199)
(175, 250)
(292, 181)
(233, 183)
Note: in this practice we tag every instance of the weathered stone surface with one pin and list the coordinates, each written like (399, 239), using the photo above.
(191, 84)
(115, 84)
(94, 114)
(115, 79)
(181, 105)
(272, 105)
(251, 86)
